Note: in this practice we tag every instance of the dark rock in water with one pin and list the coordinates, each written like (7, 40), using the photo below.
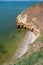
(18, 26)
(21, 26)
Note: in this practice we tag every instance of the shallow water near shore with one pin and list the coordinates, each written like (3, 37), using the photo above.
(10, 36)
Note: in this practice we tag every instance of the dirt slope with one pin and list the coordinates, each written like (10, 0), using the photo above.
(35, 11)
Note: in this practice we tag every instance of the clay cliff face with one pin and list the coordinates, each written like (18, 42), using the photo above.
(35, 15)
(32, 18)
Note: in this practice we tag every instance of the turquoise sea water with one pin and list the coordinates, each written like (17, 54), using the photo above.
(8, 13)
(9, 34)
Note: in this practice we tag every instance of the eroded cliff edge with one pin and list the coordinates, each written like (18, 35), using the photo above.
(32, 19)
(33, 16)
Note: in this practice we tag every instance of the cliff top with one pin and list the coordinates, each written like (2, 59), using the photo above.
(35, 14)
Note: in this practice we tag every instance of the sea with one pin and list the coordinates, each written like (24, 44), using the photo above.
(9, 10)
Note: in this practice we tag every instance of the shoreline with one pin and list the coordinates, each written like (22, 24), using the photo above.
(19, 45)
(28, 39)
(26, 45)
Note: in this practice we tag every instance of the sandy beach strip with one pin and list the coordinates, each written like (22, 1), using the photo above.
(28, 39)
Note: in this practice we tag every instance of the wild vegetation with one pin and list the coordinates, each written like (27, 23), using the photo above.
(34, 59)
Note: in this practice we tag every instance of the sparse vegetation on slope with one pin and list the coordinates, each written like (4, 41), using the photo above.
(34, 59)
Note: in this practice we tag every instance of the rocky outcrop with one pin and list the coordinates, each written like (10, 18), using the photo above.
(22, 23)
(31, 18)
